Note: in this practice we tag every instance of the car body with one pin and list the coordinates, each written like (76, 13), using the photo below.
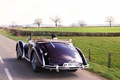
(52, 54)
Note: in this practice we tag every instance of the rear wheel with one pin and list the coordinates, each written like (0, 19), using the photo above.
(19, 57)
(34, 62)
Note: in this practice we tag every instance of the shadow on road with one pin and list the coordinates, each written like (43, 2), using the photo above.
(21, 69)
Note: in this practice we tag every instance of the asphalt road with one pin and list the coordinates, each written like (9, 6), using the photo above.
(13, 69)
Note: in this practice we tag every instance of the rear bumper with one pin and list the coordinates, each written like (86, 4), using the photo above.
(57, 67)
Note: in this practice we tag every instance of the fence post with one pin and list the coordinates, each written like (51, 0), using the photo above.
(109, 60)
(89, 55)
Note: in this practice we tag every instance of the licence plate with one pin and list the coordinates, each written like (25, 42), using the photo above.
(71, 65)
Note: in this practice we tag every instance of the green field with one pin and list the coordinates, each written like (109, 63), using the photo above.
(76, 29)
(99, 47)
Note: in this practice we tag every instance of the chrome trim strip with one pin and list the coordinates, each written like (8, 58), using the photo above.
(27, 59)
(52, 44)
(43, 60)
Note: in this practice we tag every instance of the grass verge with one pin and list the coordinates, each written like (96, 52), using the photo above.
(9, 35)
(109, 73)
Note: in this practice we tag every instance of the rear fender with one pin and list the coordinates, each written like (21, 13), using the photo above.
(39, 54)
(82, 56)
(20, 45)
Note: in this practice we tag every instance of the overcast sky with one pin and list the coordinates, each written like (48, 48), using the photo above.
(70, 11)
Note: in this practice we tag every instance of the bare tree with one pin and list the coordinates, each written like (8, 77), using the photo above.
(38, 21)
(110, 20)
(82, 23)
(13, 24)
(56, 20)
(73, 24)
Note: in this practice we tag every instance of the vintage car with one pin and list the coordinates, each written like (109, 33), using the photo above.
(52, 54)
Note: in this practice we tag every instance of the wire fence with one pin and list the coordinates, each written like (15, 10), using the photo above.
(111, 60)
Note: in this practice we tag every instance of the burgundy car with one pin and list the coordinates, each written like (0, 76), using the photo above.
(52, 54)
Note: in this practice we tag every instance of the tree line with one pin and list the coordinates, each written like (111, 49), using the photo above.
(81, 23)
(57, 20)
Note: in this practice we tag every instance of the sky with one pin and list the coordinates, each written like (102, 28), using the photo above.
(69, 11)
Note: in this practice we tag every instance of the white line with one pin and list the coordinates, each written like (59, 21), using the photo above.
(1, 60)
(8, 74)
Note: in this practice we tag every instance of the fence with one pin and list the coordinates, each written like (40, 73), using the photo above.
(108, 59)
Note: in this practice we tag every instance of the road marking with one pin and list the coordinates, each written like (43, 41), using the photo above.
(1, 60)
(8, 74)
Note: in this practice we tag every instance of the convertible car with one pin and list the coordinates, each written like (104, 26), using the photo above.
(52, 54)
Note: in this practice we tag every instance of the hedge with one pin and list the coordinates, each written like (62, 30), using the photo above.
(48, 33)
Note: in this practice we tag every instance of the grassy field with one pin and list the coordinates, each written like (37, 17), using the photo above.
(76, 29)
(100, 47)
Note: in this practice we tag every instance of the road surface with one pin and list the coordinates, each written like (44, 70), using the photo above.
(13, 69)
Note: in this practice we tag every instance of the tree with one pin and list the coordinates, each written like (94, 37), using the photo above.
(13, 24)
(110, 20)
(73, 25)
(38, 21)
(56, 20)
(82, 23)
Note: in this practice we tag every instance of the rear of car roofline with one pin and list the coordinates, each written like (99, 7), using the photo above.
(53, 40)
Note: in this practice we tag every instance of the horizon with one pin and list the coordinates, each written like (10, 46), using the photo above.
(53, 25)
